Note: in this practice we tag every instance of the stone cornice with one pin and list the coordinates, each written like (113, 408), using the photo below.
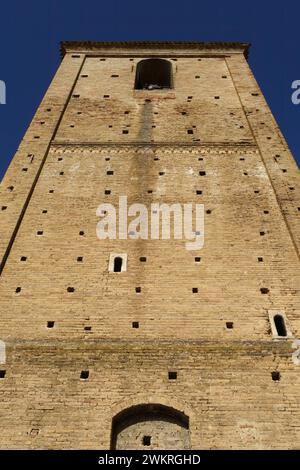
(174, 147)
(156, 47)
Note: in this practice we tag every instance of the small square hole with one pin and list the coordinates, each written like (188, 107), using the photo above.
(18, 290)
(84, 375)
(50, 324)
(3, 208)
(197, 259)
(109, 172)
(262, 234)
(161, 173)
(264, 290)
(107, 191)
(275, 376)
(198, 191)
(39, 232)
(87, 328)
(70, 289)
(260, 259)
(146, 441)
(44, 211)
(172, 375)
(138, 290)
(79, 259)
(135, 324)
(125, 131)
(195, 290)
(23, 258)
(81, 233)
(190, 131)
(229, 325)
(2, 374)
(51, 191)
(202, 173)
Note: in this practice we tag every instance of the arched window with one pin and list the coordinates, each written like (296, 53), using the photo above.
(153, 74)
(151, 426)
(118, 264)
(280, 325)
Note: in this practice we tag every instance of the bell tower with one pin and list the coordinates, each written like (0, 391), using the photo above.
(140, 343)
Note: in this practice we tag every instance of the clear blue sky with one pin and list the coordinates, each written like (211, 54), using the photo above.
(31, 30)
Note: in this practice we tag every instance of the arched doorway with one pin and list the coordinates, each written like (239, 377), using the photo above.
(150, 426)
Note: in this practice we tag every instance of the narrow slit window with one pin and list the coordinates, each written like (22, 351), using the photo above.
(280, 325)
(117, 263)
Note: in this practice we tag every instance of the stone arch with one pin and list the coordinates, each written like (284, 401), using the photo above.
(152, 426)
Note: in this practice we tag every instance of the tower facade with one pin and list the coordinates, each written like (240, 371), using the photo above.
(99, 335)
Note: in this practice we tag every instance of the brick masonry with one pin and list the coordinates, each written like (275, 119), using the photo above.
(51, 192)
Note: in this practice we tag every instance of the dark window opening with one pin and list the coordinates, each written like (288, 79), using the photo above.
(80, 259)
(195, 290)
(107, 191)
(109, 172)
(202, 173)
(50, 324)
(190, 131)
(118, 264)
(138, 290)
(143, 259)
(280, 325)
(197, 259)
(260, 259)
(153, 74)
(147, 441)
(229, 325)
(2, 374)
(198, 191)
(135, 324)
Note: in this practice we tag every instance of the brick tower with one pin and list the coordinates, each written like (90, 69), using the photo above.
(142, 344)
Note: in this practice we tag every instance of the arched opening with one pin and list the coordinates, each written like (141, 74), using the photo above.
(118, 264)
(153, 426)
(280, 325)
(153, 74)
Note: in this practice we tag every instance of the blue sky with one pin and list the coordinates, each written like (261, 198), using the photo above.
(31, 31)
